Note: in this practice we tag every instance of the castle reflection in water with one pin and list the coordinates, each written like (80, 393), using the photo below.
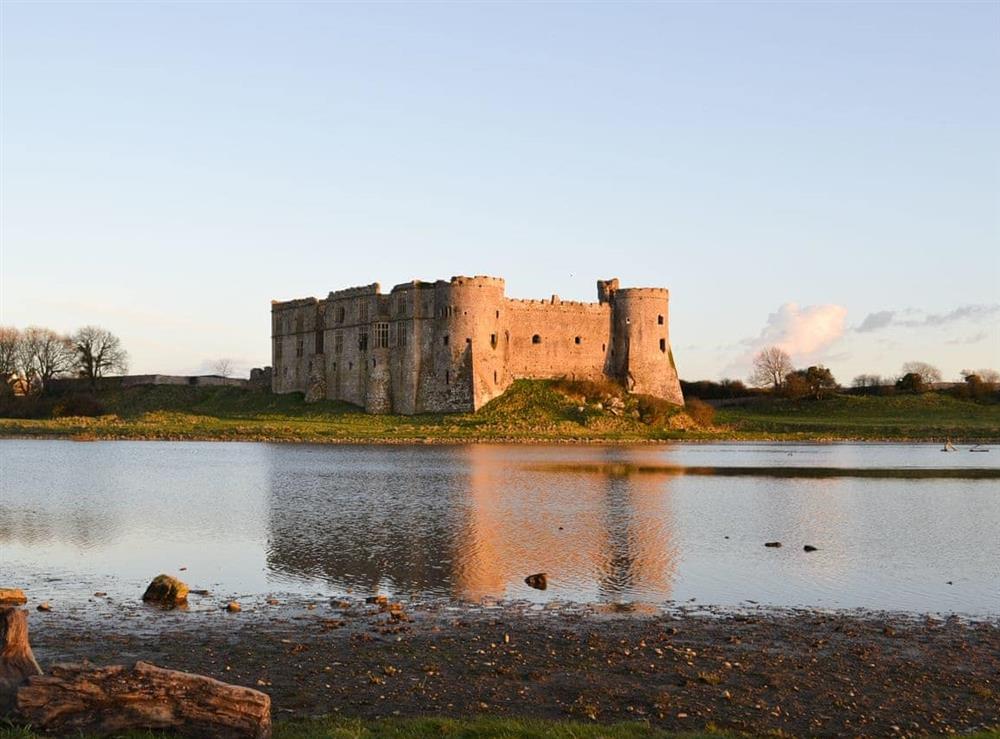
(467, 523)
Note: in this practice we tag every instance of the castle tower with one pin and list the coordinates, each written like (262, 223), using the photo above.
(642, 357)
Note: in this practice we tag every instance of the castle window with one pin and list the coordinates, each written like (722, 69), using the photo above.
(363, 311)
(536, 339)
(298, 324)
(341, 313)
(350, 365)
(447, 377)
(299, 348)
(381, 335)
(400, 307)
(604, 347)
(663, 345)
(493, 340)
(277, 350)
(659, 320)
(494, 377)
(445, 339)
(401, 335)
(338, 342)
(577, 340)
(468, 340)
(373, 363)
(363, 341)
(319, 342)
(498, 314)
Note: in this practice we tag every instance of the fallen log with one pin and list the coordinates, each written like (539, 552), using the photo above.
(17, 663)
(108, 700)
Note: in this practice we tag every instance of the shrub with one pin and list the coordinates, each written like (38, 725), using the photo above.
(701, 412)
(77, 404)
(654, 411)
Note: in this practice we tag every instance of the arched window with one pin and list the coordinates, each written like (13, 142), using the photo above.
(536, 339)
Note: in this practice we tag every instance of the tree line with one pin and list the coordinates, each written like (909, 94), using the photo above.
(31, 358)
(773, 373)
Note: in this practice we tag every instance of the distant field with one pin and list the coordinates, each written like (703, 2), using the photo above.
(529, 411)
(928, 416)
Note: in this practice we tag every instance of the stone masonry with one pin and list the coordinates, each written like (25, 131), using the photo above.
(452, 346)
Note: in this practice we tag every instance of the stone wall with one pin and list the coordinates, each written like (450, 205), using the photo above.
(455, 345)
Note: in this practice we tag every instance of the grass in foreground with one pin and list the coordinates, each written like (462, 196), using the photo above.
(483, 728)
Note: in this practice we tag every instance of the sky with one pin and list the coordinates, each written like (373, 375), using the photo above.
(820, 176)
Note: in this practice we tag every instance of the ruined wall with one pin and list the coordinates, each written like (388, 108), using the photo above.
(454, 345)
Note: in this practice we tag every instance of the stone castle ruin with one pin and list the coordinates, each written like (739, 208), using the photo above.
(452, 346)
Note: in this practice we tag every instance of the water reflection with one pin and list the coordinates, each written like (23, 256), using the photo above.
(473, 523)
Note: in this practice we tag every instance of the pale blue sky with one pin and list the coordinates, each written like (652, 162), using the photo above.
(792, 172)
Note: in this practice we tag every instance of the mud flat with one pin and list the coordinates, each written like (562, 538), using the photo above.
(684, 669)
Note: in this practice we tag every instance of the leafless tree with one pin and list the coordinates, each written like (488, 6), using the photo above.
(223, 367)
(10, 339)
(862, 381)
(988, 376)
(770, 367)
(42, 355)
(929, 374)
(99, 353)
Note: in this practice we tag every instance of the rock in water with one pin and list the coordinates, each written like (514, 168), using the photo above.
(808, 548)
(166, 590)
(538, 581)
(12, 597)
(44, 607)
(772, 544)
(233, 607)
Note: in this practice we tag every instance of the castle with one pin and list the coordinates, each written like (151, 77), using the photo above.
(452, 346)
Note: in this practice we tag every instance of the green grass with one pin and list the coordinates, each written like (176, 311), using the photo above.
(928, 416)
(483, 728)
(529, 411)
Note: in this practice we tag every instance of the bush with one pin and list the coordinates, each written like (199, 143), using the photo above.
(78, 405)
(911, 382)
(593, 391)
(654, 411)
(701, 412)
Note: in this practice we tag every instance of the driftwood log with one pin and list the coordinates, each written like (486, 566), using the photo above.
(108, 700)
(17, 663)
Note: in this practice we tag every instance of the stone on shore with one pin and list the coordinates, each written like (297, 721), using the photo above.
(166, 590)
(538, 581)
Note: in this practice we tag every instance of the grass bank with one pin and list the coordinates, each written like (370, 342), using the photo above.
(484, 728)
(529, 411)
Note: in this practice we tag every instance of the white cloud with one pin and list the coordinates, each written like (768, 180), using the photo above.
(802, 331)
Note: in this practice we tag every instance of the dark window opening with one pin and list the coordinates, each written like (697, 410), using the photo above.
(498, 314)
(604, 347)
(447, 377)
(468, 340)
(577, 340)
(493, 340)
(494, 377)
(299, 348)
(363, 341)
(381, 335)
(319, 342)
(350, 365)
(659, 320)
(536, 339)
(663, 345)
(341, 312)
(445, 340)
(373, 363)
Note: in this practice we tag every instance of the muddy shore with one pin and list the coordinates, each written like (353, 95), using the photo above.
(799, 672)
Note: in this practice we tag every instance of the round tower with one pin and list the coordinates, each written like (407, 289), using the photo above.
(467, 355)
(642, 357)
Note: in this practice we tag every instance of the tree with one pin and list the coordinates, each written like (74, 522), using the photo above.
(911, 382)
(929, 374)
(815, 381)
(770, 367)
(43, 355)
(10, 339)
(223, 367)
(98, 353)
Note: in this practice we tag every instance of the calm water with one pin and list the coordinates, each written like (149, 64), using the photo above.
(472, 521)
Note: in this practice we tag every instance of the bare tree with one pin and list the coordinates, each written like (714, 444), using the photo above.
(42, 355)
(929, 374)
(770, 367)
(10, 339)
(99, 353)
(223, 367)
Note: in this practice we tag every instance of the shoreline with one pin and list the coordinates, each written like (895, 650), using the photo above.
(799, 671)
